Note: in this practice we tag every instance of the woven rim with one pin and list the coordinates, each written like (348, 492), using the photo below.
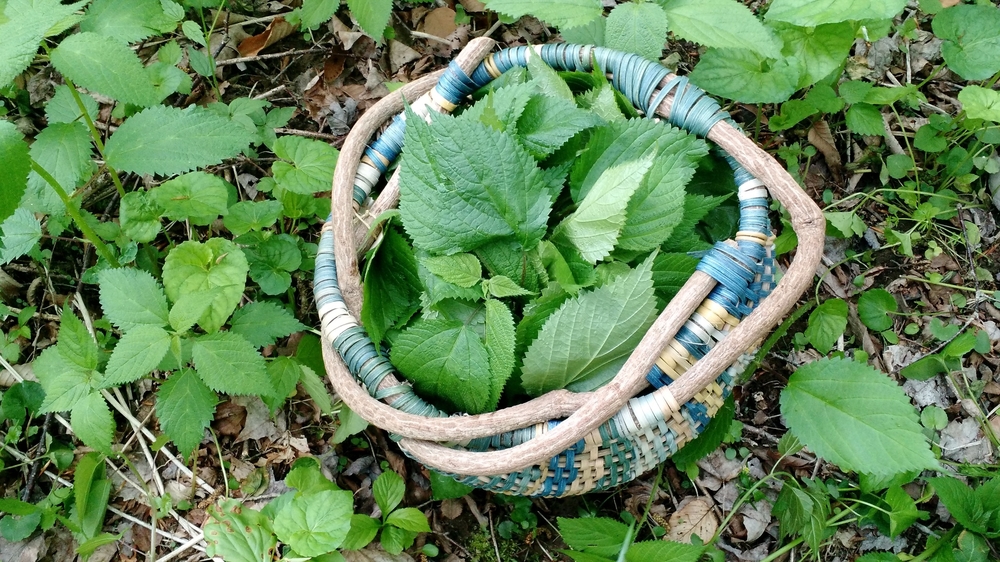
(588, 411)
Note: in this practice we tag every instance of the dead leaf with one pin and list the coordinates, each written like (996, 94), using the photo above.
(440, 22)
(258, 423)
(23, 551)
(400, 55)
(821, 137)
(696, 517)
(949, 3)
(229, 418)
(374, 553)
(720, 467)
(333, 67)
(451, 508)
(473, 5)
(275, 31)
(347, 37)
(963, 441)
(756, 518)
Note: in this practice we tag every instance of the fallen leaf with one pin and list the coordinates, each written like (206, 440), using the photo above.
(258, 423)
(963, 441)
(229, 418)
(473, 5)
(451, 508)
(821, 137)
(695, 517)
(374, 553)
(275, 31)
(440, 22)
(756, 518)
(400, 55)
(333, 67)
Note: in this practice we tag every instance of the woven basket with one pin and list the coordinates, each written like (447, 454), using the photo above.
(566, 443)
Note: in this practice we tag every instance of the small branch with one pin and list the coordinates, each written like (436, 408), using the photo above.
(238, 60)
(308, 134)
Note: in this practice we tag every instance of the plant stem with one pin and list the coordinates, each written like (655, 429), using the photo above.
(781, 551)
(96, 136)
(74, 213)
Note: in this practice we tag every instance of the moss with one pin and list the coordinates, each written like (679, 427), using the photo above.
(480, 547)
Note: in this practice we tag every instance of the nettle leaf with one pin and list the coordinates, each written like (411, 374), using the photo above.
(971, 45)
(311, 167)
(316, 388)
(64, 150)
(865, 119)
(501, 108)
(637, 28)
(138, 352)
(721, 24)
(131, 297)
(93, 423)
(263, 322)
(106, 66)
(874, 308)
(594, 226)
(560, 13)
(128, 22)
(684, 238)
(188, 309)
(139, 216)
(316, 12)
(547, 80)
(252, 215)
(65, 382)
(600, 536)
(19, 233)
(670, 272)
(502, 286)
(185, 408)
(272, 261)
(819, 50)
(810, 14)
(588, 34)
(584, 343)
(193, 195)
(440, 355)
(499, 342)
(464, 184)
(391, 287)
(744, 75)
(14, 161)
(168, 140)
(372, 16)
(855, 417)
(24, 29)
(547, 123)
(463, 270)
(826, 324)
(664, 550)
(315, 524)
(228, 363)
(978, 103)
(200, 266)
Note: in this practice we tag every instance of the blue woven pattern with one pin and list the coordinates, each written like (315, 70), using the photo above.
(652, 427)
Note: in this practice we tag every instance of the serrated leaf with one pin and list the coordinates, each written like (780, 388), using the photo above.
(596, 535)
(195, 194)
(228, 363)
(14, 161)
(284, 373)
(372, 16)
(316, 389)
(263, 322)
(499, 343)
(64, 150)
(502, 107)
(560, 13)
(93, 423)
(168, 140)
(971, 45)
(185, 408)
(547, 80)
(588, 34)
(746, 76)
(670, 272)
(584, 343)
(637, 28)
(311, 167)
(978, 103)
(877, 430)
(594, 226)
(272, 261)
(444, 487)
(138, 352)
(189, 308)
(24, 30)
(810, 14)
(316, 12)
(547, 123)
(132, 297)
(389, 298)
(251, 215)
(106, 66)
(664, 550)
(388, 490)
(19, 233)
(709, 439)
(440, 355)
(820, 50)
(963, 503)
(721, 24)
(865, 119)
(502, 286)
(874, 308)
(684, 238)
(826, 324)
(127, 22)
(463, 270)
(464, 184)
(64, 381)
(139, 216)
(200, 266)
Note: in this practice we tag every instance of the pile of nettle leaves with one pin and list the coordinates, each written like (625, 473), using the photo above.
(543, 228)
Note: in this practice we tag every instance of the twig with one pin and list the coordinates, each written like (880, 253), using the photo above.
(193, 543)
(270, 93)
(309, 134)
(429, 37)
(493, 537)
(36, 463)
(293, 52)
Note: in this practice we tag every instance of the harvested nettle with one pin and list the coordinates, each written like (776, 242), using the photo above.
(542, 230)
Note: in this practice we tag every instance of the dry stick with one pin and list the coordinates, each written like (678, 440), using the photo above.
(270, 56)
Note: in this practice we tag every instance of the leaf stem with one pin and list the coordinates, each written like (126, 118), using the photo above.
(96, 136)
(74, 213)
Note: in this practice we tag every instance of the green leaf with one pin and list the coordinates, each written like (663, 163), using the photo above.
(316, 12)
(389, 297)
(929, 139)
(596, 535)
(746, 76)
(14, 161)
(637, 28)
(64, 150)
(64, 381)
(810, 14)
(311, 167)
(827, 323)
(865, 119)
(684, 238)
(372, 16)
(502, 286)
(168, 140)
(463, 270)
(874, 308)
(709, 439)
(189, 308)
(262, 322)
(131, 297)
(499, 343)
(588, 34)
(251, 215)
(388, 490)
(22, 31)
(128, 22)
(93, 423)
(464, 184)
(349, 424)
(444, 487)
(235, 532)
(19, 233)
(106, 66)
(925, 368)
(819, 50)
(195, 194)
(139, 216)
(16, 528)
(307, 477)
(963, 503)
(971, 46)
(664, 550)
(594, 226)
(363, 531)
(138, 352)
(670, 272)
(877, 430)
(272, 261)
(978, 103)
(316, 388)
(394, 540)
(200, 266)
(185, 408)
(546, 123)
(284, 373)
(440, 355)
(560, 13)
(584, 343)
(903, 510)
(230, 364)
(899, 165)
(410, 519)
(721, 24)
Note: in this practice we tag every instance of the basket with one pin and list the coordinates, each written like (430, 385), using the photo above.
(565, 443)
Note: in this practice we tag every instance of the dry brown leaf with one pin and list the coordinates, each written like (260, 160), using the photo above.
(821, 137)
(696, 517)
(374, 553)
(275, 31)
(229, 418)
(473, 5)
(451, 508)
(439, 22)
(400, 55)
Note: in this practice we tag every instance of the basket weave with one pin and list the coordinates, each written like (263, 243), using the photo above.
(566, 443)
